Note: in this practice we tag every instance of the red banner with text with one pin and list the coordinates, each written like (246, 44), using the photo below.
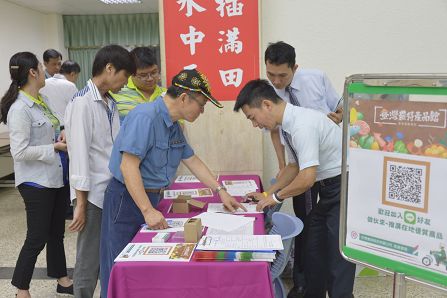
(218, 37)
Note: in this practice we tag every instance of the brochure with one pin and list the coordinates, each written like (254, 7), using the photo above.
(165, 252)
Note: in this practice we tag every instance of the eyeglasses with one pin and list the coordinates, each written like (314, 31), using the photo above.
(148, 76)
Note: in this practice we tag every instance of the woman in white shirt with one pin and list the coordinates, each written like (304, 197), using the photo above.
(35, 141)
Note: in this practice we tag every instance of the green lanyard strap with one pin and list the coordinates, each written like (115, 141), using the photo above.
(46, 110)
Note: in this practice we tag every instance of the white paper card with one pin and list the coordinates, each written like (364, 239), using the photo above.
(240, 183)
(240, 187)
(194, 193)
(188, 179)
(219, 208)
(225, 222)
(240, 242)
(244, 230)
(175, 225)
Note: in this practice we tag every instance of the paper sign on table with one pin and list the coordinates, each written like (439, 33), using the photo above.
(240, 242)
(240, 183)
(194, 193)
(219, 208)
(173, 252)
(240, 187)
(175, 225)
(188, 179)
(225, 222)
(244, 230)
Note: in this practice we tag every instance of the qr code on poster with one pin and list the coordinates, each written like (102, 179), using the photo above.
(406, 183)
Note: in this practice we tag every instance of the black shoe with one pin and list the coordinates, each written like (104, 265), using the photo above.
(65, 291)
(296, 292)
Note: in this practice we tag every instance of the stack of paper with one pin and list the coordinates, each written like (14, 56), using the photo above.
(189, 179)
(194, 193)
(173, 252)
(225, 222)
(240, 242)
(243, 230)
(174, 225)
(219, 208)
(240, 187)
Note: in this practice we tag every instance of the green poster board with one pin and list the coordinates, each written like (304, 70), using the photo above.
(393, 202)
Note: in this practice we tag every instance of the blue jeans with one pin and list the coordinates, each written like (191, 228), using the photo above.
(121, 220)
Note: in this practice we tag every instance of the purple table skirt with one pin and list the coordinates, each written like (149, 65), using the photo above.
(192, 279)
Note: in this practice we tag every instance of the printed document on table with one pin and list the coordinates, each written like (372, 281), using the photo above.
(240, 187)
(188, 179)
(174, 252)
(240, 242)
(240, 183)
(244, 230)
(194, 193)
(219, 208)
(225, 222)
(174, 225)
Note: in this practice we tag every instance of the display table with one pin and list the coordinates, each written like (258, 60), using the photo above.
(192, 279)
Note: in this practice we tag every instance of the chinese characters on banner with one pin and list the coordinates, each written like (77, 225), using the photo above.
(218, 37)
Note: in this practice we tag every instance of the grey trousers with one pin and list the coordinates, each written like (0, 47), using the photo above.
(85, 276)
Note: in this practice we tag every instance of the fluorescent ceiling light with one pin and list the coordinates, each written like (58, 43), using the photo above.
(120, 1)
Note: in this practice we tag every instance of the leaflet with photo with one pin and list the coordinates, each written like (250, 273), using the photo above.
(164, 252)
(194, 193)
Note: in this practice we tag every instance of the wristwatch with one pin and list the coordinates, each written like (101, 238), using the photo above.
(276, 198)
(219, 188)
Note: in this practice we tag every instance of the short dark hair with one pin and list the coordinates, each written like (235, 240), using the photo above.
(254, 92)
(70, 66)
(116, 55)
(279, 53)
(51, 53)
(143, 57)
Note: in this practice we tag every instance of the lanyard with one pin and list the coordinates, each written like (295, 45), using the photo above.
(46, 110)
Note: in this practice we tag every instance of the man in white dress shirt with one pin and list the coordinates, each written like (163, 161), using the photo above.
(60, 88)
(314, 145)
(308, 88)
(91, 125)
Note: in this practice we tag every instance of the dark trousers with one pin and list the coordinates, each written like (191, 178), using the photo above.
(121, 220)
(45, 220)
(299, 207)
(325, 268)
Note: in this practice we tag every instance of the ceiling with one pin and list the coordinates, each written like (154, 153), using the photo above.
(82, 7)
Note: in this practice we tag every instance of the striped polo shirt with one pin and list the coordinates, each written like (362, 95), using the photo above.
(129, 97)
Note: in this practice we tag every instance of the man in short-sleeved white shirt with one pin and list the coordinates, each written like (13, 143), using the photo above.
(60, 88)
(307, 88)
(314, 142)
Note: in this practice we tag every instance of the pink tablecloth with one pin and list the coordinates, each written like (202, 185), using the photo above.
(192, 279)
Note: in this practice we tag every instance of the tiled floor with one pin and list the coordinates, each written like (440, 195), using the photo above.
(12, 234)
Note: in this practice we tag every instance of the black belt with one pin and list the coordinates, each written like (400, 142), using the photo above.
(329, 181)
(154, 190)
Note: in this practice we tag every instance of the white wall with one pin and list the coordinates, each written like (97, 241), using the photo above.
(24, 29)
(339, 37)
(357, 36)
